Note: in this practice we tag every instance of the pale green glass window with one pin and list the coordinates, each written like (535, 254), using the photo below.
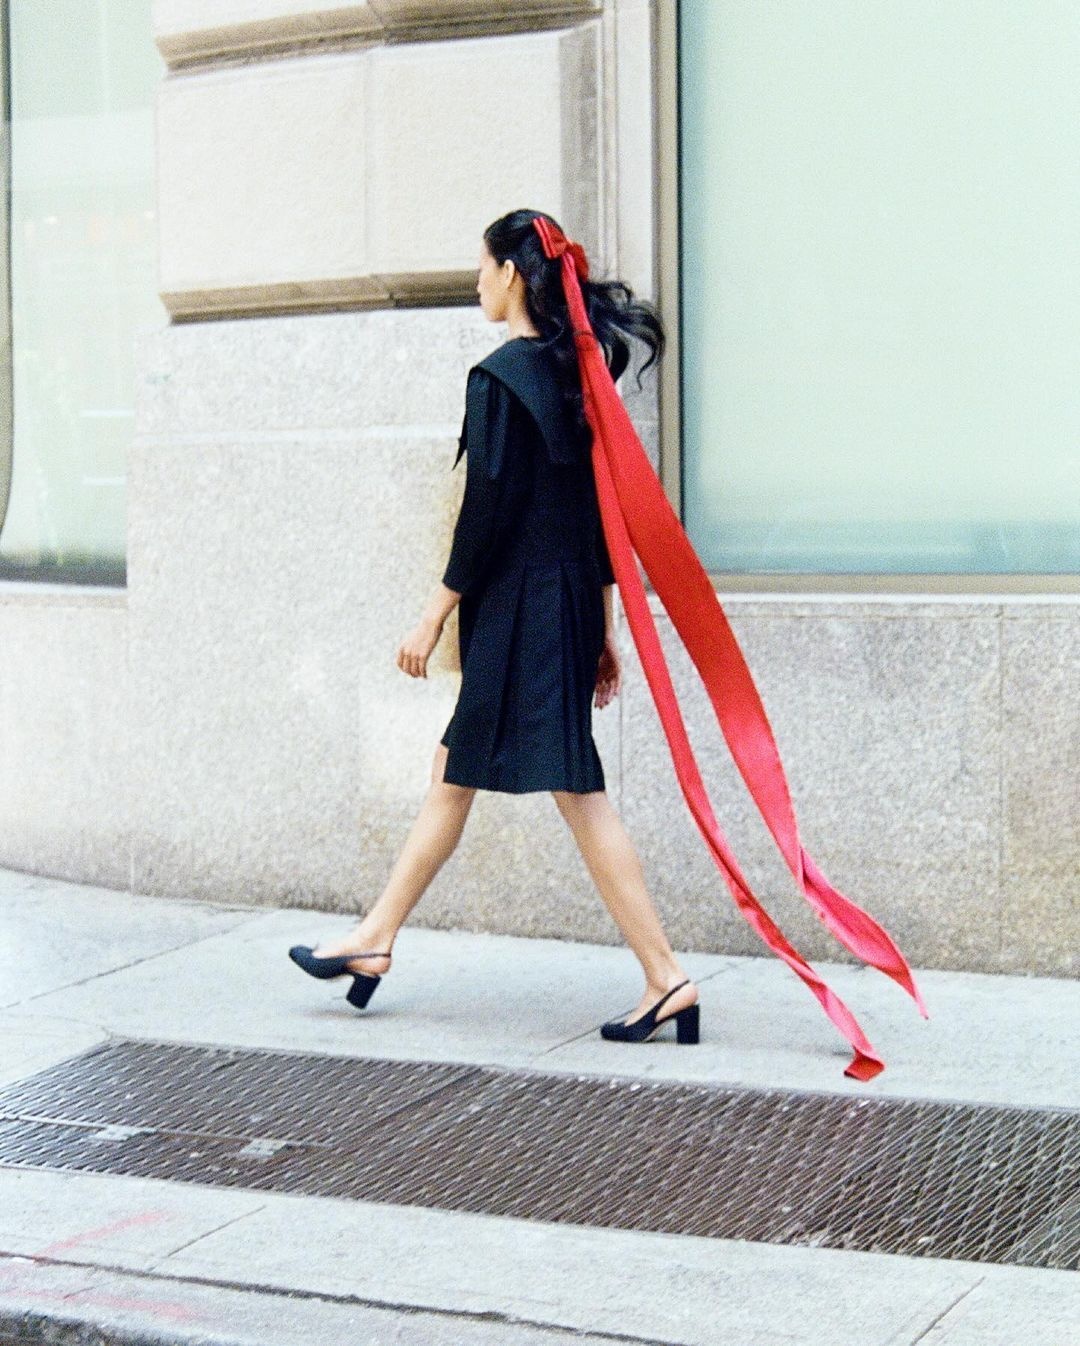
(80, 77)
(880, 320)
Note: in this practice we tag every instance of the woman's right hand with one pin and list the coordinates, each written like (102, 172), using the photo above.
(415, 650)
(608, 672)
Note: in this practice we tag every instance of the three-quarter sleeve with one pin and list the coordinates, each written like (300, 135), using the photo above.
(497, 481)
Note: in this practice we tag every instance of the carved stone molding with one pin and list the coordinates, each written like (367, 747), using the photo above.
(197, 32)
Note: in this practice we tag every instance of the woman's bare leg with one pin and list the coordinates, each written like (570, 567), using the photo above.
(616, 870)
(432, 840)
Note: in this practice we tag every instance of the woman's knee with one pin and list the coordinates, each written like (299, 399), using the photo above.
(572, 804)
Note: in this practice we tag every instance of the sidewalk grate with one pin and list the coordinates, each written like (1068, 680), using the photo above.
(987, 1184)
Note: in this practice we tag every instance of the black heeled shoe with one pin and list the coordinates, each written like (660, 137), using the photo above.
(687, 1023)
(363, 987)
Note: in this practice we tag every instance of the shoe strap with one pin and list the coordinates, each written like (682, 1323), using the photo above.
(669, 995)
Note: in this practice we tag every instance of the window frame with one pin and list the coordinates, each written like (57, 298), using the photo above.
(7, 420)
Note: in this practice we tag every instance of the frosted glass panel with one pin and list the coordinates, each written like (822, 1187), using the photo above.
(880, 250)
(82, 79)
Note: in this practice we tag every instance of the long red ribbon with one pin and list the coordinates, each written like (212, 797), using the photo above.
(636, 513)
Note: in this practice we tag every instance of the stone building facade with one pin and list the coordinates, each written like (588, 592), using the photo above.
(231, 724)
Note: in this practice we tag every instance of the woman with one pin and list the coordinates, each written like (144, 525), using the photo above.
(531, 572)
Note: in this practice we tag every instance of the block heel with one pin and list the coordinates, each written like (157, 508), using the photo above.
(362, 989)
(687, 1023)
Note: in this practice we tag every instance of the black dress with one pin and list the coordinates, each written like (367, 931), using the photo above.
(529, 560)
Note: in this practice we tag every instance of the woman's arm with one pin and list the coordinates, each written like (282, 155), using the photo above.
(441, 604)
(415, 649)
(609, 609)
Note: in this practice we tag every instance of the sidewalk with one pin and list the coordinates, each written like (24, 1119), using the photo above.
(153, 1260)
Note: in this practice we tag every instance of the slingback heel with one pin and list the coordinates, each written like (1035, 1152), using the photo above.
(687, 1023)
(363, 987)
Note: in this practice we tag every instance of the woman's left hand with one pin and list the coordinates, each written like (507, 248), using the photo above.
(415, 650)
(608, 672)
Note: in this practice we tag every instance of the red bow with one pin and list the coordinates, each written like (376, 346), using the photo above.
(556, 243)
(636, 513)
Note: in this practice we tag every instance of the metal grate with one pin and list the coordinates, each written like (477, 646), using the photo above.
(989, 1184)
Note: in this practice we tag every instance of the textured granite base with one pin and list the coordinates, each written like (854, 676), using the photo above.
(238, 728)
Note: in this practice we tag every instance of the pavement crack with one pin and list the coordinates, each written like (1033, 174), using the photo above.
(206, 1233)
(945, 1312)
(135, 962)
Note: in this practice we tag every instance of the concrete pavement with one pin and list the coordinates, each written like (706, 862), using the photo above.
(155, 1261)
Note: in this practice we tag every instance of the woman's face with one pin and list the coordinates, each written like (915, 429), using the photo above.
(493, 284)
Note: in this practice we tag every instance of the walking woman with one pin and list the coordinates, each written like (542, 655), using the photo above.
(532, 576)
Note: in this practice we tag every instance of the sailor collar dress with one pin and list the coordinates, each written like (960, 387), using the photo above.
(529, 559)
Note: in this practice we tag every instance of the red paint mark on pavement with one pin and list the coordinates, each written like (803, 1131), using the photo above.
(102, 1232)
(161, 1308)
(12, 1275)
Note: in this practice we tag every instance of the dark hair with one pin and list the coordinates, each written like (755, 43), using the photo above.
(614, 312)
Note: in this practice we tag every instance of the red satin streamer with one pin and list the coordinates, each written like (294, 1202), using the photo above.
(635, 512)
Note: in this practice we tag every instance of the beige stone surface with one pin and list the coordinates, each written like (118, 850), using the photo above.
(261, 175)
(888, 729)
(489, 125)
(64, 722)
(324, 179)
(1040, 840)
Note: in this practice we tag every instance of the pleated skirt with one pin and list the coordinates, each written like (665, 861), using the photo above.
(530, 643)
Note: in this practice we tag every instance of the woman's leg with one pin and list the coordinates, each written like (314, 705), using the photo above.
(613, 863)
(433, 837)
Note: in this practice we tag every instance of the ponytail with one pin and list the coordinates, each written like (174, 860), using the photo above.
(615, 313)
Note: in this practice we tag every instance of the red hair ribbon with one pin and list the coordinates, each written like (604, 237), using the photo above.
(556, 243)
(636, 513)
